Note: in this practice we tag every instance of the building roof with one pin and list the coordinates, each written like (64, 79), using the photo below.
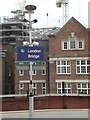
(70, 21)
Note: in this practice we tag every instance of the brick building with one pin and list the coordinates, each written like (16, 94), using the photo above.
(67, 64)
(7, 66)
(69, 57)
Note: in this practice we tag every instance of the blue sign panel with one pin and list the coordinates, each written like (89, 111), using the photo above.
(28, 53)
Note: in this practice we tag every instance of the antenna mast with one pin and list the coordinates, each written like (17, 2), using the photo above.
(65, 7)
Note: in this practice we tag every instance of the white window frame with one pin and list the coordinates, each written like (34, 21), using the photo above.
(59, 89)
(43, 71)
(83, 90)
(73, 48)
(82, 68)
(68, 90)
(34, 72)
(63, 45)
(60, 67)
(21, 87)
(43, 88)
(80, 48)
(21, 72)
(69, 44)
(34, 87)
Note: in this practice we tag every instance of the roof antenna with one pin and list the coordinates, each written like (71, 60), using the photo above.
(47, 20)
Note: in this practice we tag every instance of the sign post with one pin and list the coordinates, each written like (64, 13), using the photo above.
(30, 53)
(30, 9)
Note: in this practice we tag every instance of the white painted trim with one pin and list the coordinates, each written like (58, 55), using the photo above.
(34, 81)
(76, 81)
(69, 58)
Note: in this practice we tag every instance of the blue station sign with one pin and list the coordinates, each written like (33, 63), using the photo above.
(28, 53)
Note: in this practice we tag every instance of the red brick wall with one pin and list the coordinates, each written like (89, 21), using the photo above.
(49, 102)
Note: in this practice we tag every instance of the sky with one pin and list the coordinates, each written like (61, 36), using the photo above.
(77, 9)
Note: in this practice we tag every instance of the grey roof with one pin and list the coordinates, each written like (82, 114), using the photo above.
(42, 33)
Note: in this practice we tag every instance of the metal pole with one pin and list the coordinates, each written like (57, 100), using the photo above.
(30, 8)
(30, 28)
(31, 103)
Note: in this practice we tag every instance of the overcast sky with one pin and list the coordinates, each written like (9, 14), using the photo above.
(77, 9)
